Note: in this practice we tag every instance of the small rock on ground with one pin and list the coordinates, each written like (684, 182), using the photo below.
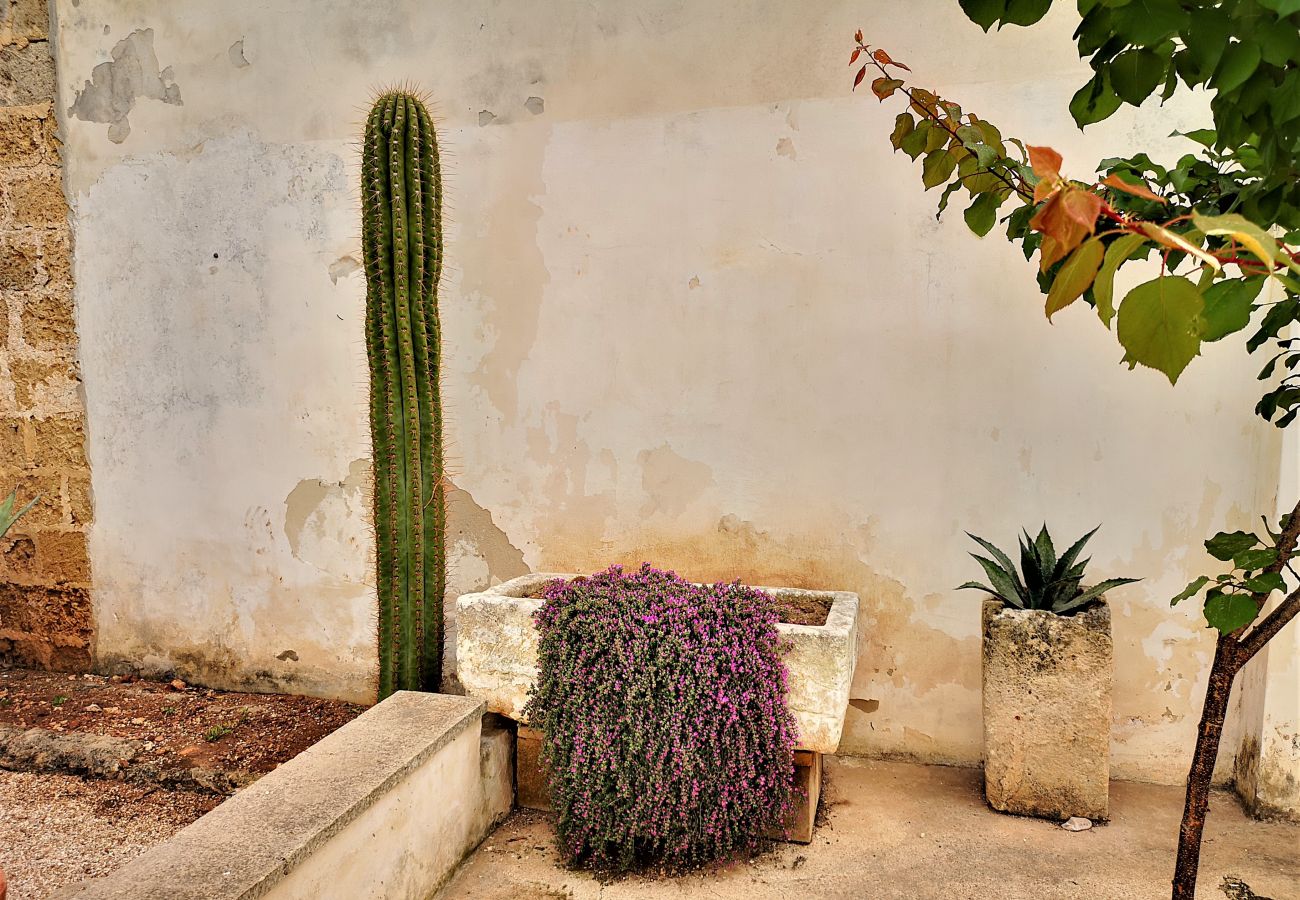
(1076, 823)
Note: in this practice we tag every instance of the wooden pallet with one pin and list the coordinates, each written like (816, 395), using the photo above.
(531, 791)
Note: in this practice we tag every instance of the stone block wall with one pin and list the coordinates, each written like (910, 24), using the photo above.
(45, 610)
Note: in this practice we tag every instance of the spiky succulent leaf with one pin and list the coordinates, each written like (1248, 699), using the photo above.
(1092, 594)
(1000, 578)
(1067, 560)
(976, 586)
(1003, 560)
(1032, 570)
(1045, 551)
(7, 515)
(1060, 591)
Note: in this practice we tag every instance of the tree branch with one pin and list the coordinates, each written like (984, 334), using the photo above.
(1247, 645)
(1266, 630)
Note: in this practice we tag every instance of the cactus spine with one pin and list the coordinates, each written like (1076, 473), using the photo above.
(401, 233)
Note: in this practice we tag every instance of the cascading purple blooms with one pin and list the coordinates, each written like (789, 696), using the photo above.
(663, 705)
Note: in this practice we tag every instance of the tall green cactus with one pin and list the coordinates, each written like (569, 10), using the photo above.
(401, 233)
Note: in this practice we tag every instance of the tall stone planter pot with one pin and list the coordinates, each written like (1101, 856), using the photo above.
(1047, 711)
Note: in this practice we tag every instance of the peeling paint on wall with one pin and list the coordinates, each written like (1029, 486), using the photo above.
(323, 522)
(479, 555)
(113, 88)
(236, 55)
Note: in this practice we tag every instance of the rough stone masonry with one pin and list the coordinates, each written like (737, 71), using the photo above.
(45, 609)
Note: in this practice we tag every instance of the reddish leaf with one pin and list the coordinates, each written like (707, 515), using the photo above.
(854, 57)
(1137, 190)
(1046, 188)
(885, 87)
(1046, 162)
(1082, 206)
(884, 59)
(1068, 217)
(862, 73)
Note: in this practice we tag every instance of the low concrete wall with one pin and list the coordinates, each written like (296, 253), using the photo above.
(385, 807)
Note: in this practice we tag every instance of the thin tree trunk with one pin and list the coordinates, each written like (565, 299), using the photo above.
(1222, 673)
(1231, 653)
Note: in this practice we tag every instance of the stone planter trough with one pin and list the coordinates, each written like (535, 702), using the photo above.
(1047, 711)
(496, 655)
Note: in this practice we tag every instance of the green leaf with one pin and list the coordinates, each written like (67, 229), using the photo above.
(1239, 62)
(1266, 583)
(983, 12)
(1135, 74)
(1281, 7)
(1228, 305)
(1255, 239)
(983, 213)
(7, 515)
(1191, 590)
(937, 168)
(1278, 46)
(913, 144)
(1147, 22)
(903, 126)
(1025, 12)
(951, 189)
(1159, 325)
(1095, 101)
(1251, 560)
(1203, 136)
(1228, 612)
(1206, 38)
(1076, 275)
(936, 138)
(1227, 544)
(1103, 288)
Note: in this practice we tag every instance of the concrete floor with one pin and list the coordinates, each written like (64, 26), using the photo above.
(897, 830)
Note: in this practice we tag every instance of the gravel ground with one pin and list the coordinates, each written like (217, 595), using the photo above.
(57, 830)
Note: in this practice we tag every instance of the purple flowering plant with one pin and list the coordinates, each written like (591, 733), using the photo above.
(663, 706)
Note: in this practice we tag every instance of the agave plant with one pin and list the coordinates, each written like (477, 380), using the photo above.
(7, 515)
(1048, 583)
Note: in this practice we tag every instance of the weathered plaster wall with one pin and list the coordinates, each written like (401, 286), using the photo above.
(46, 617)
(696, 313)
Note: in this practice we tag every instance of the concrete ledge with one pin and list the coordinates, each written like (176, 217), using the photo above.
(385, 807)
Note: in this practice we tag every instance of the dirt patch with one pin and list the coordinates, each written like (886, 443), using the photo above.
(803, 609)
(175, 725)
(793, 609)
